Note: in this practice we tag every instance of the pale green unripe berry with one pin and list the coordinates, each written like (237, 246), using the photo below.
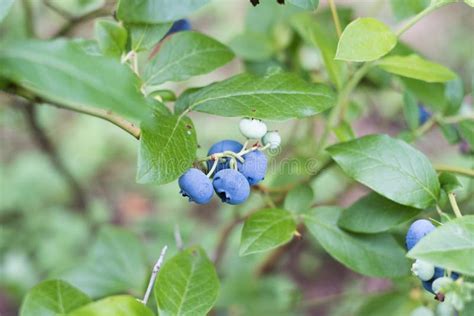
(439, 283)
(272, 138)
(423, 270)
(445, 309)
(252, 128)
(422, 311)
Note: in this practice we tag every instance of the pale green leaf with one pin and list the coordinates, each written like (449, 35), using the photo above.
(376, 255)
(265, 230)
(122, 305)
(365, 39)
(187, 284)
(111, 36)
(390, 167)
(469, 2)
(450, 246)
(299, 199)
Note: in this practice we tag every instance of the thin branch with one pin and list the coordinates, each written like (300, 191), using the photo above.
(63, 13)
(458, 170)
(74, 22)
(454, 205)
(335, 17)
(154, 274)
(177, 238)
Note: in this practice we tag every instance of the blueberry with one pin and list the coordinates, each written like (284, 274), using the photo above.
(225, 145)
(178, 26)
(439, 273)
(418, 230)
(252, 128)
(254, 166)
(196, 186)
(231, 186)
(423, 114)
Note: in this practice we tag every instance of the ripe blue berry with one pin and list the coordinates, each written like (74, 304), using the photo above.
(196, 186)
(418, 230)
(231, 186)
(254, 166)
(178, 26)
(224, 145)
(423, 114)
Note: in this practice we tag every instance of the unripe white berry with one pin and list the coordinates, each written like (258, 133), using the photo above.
(439, 283)
(273, 138)
(252, 128)
(423, 270)
(422, 311)
(445, 309)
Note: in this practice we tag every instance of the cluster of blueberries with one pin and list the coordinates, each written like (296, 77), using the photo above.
(232, 167)
(432, 277)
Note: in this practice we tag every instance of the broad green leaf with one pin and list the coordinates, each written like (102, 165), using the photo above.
(168, 147)
(184, 55)
(449, 182)
(450, 246)
(112, 37)
(454, 94)
(305, 4)
(121, 305)
(60, 71)
(252, 46)
(373, 214)
(277, 96)
(51, 298)
(430, 94)
(377, 255)
(156, 11)
(116, 263)
(5, 6)
(187, 284)
(390, 167)
(265, 230)
(405, 8)
(145, 36)
(365, 39)
(299, 199)
(388, 304)
(315, 34)
(413, 66)
(410, 110)
(466, 128)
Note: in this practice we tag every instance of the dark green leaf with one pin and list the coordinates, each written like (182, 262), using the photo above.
(390, 167)
(430, 94)
(116, 263)
(449, 182)
(112, 37)
(376, 255)
(168, 147)
(187, 284)
(413, 66)
(114, 306)
(299, 199)
(450, 132)
(278, 96)
(373, 214)
(450, 246)
(5, 7)
(265, 230)
(156, 11)
(51, 298)
(454, 93)
(305, 4)
(365, 39)
(406, 8)
(184, 55)
(252, 46)
(410, 110)
(145, 36)
(60, 71)
(466, 128)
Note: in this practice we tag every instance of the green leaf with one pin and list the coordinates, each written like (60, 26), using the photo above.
(365, 39)
(314, 33)
(112, 37)
(430, 94)
(187, 284)
(116, 263)
(184, 55)
(168, 147)
(156, 11)
(299, 199)
(413, 66)
(454, 94)
(449, 182)
(373, 214)
(450, 246)
(78, 8)
(376, 255)
(469, 2)
(277, 96)
(145, 36)
(466, 128)
(389, 304)
(60, 71)
(406, 8)
(390, 167)
(121, 305)
(5, 7)
(265, 230)
(305, 4)
(450, 132)
(252, 46)
(52, 297)
(410, 110)
(344, 132)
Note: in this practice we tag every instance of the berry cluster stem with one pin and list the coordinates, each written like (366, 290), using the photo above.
(454, 205)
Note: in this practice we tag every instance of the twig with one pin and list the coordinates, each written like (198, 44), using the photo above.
(74, 22)
(154, 273)
(335, 17)
(458, 170)
(454, 205)
(177, 237)
(63, 13)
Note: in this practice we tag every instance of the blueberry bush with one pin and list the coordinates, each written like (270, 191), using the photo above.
(289, 192)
